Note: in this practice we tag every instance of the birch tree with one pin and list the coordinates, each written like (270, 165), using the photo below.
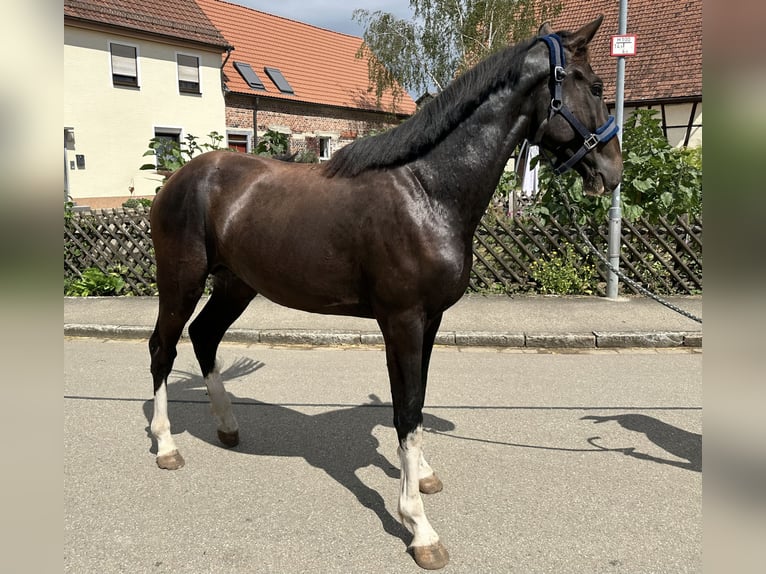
(442, 39)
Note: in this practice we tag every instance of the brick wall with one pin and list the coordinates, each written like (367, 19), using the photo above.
(305, 122)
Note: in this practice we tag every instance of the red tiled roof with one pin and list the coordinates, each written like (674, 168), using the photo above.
(179, 19)
(668, 60)
(320, 65)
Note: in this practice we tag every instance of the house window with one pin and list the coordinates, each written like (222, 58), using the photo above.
(324, 148)
(188, 74)
(124, 65)
(237, 141)
(167, 145)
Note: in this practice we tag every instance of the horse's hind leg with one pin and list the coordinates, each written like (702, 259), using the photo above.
(176, 305)
(229, 299)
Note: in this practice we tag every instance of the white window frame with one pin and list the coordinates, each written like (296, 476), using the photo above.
(238, 132)
(110, 61)
(199, 74)
(168, 130)
(328, 147)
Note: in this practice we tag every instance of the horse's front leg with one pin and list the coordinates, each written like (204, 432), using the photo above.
(427, 549)
(168, 456)
(404, 348)
(428, 483)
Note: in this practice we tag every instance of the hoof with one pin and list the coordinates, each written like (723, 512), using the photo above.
(431, 557)
(229, 439)
(430, 484)
(171, 461)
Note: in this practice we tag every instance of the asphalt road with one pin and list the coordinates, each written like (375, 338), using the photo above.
(580, 462)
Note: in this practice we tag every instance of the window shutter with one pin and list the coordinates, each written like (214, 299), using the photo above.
(188, 69)
(124, 60)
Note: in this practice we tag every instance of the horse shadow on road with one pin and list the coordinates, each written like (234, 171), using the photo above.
(673, 440)
(338, 441)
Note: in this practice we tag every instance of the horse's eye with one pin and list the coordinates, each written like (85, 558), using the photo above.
(597, 90)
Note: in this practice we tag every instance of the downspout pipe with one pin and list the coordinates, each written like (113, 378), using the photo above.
(229, 50)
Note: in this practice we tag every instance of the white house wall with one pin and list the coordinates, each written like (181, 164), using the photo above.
(676, 121)
(113, 125)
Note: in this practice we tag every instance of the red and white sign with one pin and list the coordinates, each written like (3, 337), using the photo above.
(624, 45)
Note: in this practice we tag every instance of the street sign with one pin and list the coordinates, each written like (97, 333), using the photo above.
(623, 45)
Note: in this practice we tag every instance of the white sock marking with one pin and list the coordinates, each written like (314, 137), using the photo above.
(410, 503)
(161, 423)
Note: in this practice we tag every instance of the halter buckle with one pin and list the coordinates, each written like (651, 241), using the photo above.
(590, 142)
(559, 74)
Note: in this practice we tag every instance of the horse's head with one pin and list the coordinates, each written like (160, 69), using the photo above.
(573, 123)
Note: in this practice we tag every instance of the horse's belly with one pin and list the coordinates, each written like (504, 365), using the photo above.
(317, 284)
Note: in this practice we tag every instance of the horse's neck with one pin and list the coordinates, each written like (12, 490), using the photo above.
(463, 170)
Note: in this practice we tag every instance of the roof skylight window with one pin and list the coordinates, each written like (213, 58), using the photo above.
(249, 75)
(279, 80)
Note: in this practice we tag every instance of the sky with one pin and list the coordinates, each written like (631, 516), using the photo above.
(331, 14)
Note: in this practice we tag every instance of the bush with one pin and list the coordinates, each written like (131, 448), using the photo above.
(95, 282)
(658, 180)
(134, 202)
(171, 155)
(307, 156)
(272, 144)
(563, 275)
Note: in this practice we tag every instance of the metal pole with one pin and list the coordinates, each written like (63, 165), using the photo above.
(615, 212)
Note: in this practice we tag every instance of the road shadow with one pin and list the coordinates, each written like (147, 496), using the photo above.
(340, 441)
(678, 442)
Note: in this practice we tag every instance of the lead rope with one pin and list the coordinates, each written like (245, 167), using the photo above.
(641, 289)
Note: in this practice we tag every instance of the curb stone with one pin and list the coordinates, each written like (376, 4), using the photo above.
(644, 340)
(596, 339)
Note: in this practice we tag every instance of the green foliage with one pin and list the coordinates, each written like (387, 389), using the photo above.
(68, 210)
(658, 180)
(134, 202)
(499, 205)
(307, 156)
(95, 282)
(563, 275)
(272, 143)
(171, 155)
(442, 39)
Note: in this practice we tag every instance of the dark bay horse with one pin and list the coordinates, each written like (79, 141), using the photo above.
(382, 230)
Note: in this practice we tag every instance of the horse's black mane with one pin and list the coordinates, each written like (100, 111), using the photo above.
(435, 120)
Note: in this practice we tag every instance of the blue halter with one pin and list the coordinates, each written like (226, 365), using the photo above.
(590, 139)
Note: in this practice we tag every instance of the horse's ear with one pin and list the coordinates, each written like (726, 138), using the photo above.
(545, 29)
(580, 39)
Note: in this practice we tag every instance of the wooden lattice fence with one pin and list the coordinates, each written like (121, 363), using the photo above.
(113, 240)
(665, 257)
